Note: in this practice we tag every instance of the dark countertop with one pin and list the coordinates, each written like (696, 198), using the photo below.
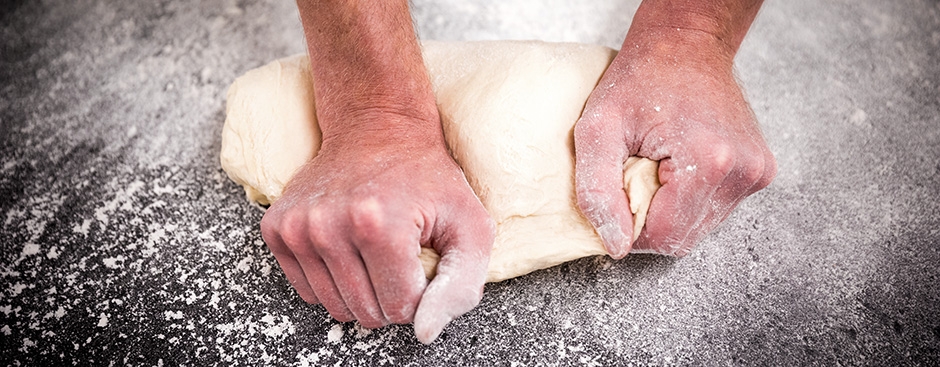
(124, 243)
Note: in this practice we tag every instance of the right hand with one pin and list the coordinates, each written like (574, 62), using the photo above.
(351, 222)
(689, 114)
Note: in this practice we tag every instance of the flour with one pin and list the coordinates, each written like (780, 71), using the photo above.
(335, 334)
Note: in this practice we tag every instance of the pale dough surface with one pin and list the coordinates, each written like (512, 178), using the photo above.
(508, 109)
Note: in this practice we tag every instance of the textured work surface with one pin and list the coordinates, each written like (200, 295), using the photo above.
(124, 243)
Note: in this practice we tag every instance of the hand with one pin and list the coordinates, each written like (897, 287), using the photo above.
(350, 224)
(675, 101)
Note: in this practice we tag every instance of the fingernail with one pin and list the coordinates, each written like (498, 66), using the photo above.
(613, 240)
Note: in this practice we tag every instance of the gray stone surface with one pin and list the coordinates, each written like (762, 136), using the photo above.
(123, 242)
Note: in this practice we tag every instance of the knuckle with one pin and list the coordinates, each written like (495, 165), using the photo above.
(770, 171)
(299, 248)
(589, 133)
(291, 220)
(317, 227)
(271, 224)
(758, 170)
(367, 217)
(586, 207)
(587, 120)
(269, 229)
(269, 219)
(752, 169)
(292, 230)
(721, 160)
(398, 302)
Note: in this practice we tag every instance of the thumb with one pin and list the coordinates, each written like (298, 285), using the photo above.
(599, 181)
(458, 286)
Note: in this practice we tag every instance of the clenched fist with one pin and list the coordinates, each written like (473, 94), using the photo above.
(670, 95)
(349, 227)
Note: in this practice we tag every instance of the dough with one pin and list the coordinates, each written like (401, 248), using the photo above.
(508, 110)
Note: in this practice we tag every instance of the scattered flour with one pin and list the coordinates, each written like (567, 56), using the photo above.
(307, 359)
(114, 262)
(15, 290)
(30, 249)
(335, 335)
(83, 228)
(275, 329)
(245, 264)
(122, 200)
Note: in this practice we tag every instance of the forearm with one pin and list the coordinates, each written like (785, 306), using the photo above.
(712, 26)
(366, 62)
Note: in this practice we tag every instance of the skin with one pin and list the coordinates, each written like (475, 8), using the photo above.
(670, 95)
(350, 224)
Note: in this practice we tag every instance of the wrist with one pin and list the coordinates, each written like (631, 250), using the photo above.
(701, 31)
(381, 114)
(376, 129)
(678, 49)
(369, 75)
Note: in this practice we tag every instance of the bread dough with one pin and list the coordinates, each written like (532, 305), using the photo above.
(508, 109)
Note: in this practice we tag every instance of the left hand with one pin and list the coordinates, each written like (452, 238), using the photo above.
(348, 230)
(676, 102)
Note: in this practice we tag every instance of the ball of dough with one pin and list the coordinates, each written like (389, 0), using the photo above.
(508, 110)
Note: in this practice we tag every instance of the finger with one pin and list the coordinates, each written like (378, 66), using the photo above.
(293, 240)
(344, 267)
(753, 172)
(395, 269)
(750, 171)
(685, 207)
(296, 276)
(352, 280)
(321, 280)
(675, 210)
(458, 285)
(599, 183)
(745, 177)
(289, 265)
